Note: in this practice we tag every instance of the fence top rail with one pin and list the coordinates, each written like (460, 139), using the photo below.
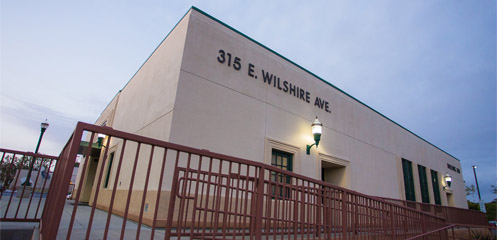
(82, 126)
(429, 204)
(4, 150)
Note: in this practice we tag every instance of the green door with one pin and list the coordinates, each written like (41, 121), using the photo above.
(436, 189)
(408, 180)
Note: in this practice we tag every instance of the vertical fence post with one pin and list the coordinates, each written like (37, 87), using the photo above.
(172, 199)
(445, 214)
(392, 220)
(423, 226)
(319, 207)
(62, 176)
(344, 215)
(259, 203)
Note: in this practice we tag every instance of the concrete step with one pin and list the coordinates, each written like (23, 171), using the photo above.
(19, 231)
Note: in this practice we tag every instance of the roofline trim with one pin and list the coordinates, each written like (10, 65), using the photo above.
(314, 75)
(156, 49)
(146, 60)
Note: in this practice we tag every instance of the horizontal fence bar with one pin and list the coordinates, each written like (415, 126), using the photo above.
(452, 215)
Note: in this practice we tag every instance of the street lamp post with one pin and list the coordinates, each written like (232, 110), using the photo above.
(476, 180)
(44, 126)
(482, 203)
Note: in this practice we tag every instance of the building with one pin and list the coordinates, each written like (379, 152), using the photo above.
(211, 87)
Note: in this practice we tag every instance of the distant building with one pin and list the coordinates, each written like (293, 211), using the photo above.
(211, 87)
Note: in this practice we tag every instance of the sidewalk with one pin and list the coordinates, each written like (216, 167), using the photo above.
(81, 221)
(19, 230)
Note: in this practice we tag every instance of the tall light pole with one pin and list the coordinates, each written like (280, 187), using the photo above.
(44, 126)
(476, 180)
(482, 204)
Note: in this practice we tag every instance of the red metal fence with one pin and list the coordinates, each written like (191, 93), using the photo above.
(452, 215)
(178, 191)
(20, 202)
(459, 232)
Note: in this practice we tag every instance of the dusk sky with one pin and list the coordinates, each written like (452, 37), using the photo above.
(428, 65)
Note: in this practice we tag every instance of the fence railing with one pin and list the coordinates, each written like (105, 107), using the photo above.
(21, 200)
(459, 232)
(178, 191)
(452, 215)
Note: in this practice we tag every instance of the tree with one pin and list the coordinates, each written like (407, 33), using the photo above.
(473, 206)
(470, 190)
(491, 211)
(10, 164)
(494, 189)
(8, 169)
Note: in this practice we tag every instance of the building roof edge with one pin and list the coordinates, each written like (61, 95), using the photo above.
(157, 48)
(311, 73)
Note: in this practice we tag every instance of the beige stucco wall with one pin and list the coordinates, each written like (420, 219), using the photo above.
(144, 106)
(182, 94)
(107, 116)
(224, 110)
(146, 103)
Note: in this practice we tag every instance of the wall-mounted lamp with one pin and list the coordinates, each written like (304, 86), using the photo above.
(100, 140)
(317, 129)
(448, 180)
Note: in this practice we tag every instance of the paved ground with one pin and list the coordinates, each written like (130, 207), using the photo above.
(80, 222)
(98, 226)
(19, 230)
(80, 226)
(10, 203)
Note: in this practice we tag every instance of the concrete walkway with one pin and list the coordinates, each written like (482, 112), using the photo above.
(80, 226)
(81, 222)
(19, 230)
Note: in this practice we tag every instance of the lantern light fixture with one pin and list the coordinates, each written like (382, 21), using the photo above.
(448, 180)
(317, 129)
(100, 139)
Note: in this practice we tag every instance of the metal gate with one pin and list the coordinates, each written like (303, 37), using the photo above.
(146, 189)
(22, 202)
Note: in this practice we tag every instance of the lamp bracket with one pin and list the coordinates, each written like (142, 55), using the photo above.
(308, 150)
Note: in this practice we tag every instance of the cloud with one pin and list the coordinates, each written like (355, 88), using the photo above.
(20, 126)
